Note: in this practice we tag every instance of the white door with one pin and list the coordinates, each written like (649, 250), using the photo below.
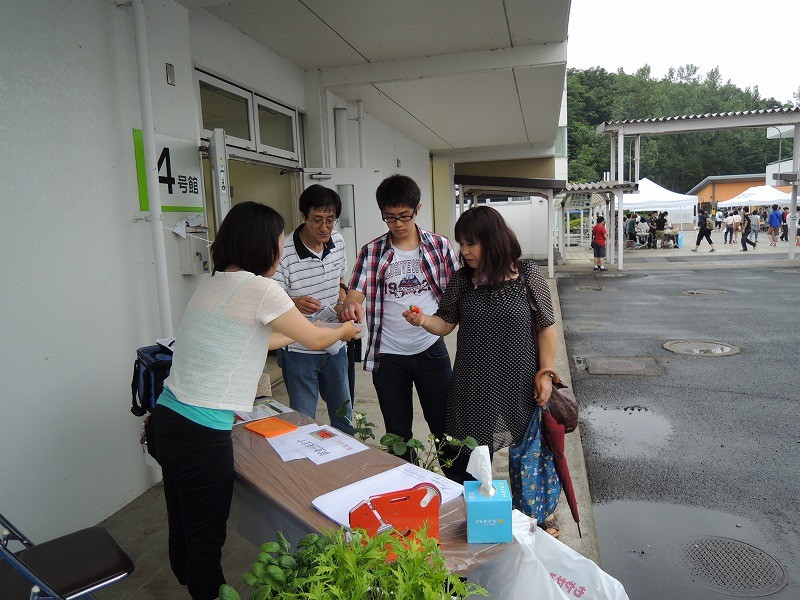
(360, 221)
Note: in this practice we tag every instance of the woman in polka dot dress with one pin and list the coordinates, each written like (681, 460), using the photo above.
(492, 395)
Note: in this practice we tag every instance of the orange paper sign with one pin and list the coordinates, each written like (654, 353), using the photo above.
(271, 427)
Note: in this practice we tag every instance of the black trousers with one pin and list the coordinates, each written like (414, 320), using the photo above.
(746, 240)
(704, 234)
(197, 463)
(430, 372)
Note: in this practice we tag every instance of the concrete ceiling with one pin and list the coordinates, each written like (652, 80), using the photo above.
(457, 76)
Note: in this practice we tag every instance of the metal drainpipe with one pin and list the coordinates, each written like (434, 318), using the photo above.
(792, 220)
(151, 171)
(362, 155)
(550, 233)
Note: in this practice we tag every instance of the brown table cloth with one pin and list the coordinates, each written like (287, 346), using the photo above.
(271, 495)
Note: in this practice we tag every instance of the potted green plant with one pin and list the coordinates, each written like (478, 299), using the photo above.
(344, 565)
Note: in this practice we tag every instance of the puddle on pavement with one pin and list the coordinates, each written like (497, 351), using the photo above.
(642, 544)
(624, 432)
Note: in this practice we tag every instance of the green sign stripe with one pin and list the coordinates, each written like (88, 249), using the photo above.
(141, 179)
(182, 208)
(141, 176)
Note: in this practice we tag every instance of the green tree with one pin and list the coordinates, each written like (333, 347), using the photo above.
(678, 161)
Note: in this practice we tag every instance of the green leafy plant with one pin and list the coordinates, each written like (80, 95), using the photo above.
(438, 453)
(344, 565)
(362, 426)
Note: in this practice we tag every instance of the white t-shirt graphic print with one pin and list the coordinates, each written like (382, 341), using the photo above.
(405, 285)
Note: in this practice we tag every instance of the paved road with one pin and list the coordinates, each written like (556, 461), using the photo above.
(703, 445)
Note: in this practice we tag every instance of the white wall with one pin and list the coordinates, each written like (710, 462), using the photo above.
(78, 294)
(526, 219)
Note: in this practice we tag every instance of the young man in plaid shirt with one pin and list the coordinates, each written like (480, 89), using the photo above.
(405, 266)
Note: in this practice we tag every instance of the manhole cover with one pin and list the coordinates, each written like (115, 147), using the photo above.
(701, 348)
(612, 275)
(590, 288)
(732, 567)
(705, 292)
(623, 366)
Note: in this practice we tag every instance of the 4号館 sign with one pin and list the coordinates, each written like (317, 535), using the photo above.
(179, 174)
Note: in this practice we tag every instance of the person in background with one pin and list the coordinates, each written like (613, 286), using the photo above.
(312, 271)
(746, 230)
(642, 232)
(775, 223)
(737, 225)
(728, 237)
(755, 225)
(229, 325)
(718, 219)
(797, 240)
(599, 237)
(492, 397)
(630, 230)
(785, 224)
(661, 225)
(405, 266)
(651, 222)
(704, 225)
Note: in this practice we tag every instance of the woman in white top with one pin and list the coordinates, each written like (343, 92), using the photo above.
(219, 356)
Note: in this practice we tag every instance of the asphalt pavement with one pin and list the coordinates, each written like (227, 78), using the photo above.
(691, 459)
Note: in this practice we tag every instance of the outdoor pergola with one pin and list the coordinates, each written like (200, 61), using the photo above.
(477, 186)
(590, 195)
(755, 119)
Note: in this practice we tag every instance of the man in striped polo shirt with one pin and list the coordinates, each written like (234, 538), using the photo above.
(405, 266)
(312, 271)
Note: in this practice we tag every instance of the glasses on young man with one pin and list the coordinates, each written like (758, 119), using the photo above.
(396, 218)
(319, 221)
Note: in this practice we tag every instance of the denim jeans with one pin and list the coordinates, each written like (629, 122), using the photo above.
(429, 371)
(197, 464)
(309, 376)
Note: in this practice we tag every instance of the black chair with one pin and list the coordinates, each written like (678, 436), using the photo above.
(67, 567)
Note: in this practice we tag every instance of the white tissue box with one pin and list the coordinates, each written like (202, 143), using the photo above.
(488, 519)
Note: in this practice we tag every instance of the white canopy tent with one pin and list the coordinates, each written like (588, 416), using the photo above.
(652, 197)
(759, 195)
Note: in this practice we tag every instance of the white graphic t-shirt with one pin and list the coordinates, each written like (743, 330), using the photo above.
(405, 285)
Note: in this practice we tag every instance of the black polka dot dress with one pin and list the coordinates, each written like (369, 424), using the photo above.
(492, 388)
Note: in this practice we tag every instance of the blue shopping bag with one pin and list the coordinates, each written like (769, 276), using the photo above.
(680, 239)
(535, 486)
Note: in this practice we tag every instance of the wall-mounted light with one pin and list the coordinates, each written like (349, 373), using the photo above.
(320, 176)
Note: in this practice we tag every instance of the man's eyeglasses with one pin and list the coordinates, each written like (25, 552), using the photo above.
(319, 221)
(401, 218)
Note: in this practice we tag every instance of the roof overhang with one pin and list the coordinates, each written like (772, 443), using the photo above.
(748, 119)
(467, 78)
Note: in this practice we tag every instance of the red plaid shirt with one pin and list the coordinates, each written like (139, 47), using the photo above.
(438, 262)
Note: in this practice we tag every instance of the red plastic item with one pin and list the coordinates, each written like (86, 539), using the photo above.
(404, 510)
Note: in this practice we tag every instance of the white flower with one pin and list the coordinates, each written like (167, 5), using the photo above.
(449, 438)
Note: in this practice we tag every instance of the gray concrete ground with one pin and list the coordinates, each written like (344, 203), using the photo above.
(691, 448)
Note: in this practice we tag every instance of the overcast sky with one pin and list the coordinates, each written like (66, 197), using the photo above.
(749, 40)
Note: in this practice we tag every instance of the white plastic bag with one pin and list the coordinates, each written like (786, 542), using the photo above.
(536, 565)
(573, 573)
